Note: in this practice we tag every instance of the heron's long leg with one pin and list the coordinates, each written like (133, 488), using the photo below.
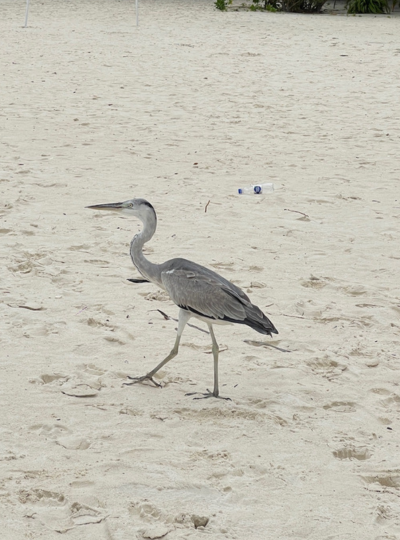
(215, 351)
(184, 316)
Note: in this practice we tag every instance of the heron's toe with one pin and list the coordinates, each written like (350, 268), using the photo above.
(206, 395)
(136, 380)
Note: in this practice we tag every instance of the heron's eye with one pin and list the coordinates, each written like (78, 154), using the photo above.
(130, 205)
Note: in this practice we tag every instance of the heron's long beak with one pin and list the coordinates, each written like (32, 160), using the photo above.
(110, 206)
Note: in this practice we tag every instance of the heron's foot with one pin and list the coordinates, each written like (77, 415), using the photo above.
(207, 395)
(136, 380)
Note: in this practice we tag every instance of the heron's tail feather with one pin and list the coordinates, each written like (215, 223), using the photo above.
(263, 327)
(257, 320)
(252, 316)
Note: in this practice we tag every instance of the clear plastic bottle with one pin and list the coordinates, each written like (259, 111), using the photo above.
(257, 189)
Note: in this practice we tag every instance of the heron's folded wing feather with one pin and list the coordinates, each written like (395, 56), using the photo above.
(203, 295)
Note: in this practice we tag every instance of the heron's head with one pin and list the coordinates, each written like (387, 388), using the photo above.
(139, 208)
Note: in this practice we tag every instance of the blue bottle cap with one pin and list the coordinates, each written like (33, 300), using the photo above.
(240, 191)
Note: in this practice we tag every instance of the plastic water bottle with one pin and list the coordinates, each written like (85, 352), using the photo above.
(258, 189)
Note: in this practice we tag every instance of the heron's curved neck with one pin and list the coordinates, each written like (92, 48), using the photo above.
(145, 267)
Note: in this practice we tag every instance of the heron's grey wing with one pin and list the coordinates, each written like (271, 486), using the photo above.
(203, 295)
(204, 292)
(199, 270)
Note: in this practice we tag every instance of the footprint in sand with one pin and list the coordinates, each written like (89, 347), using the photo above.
(48, 378)
(50, 431)
(54, 510)
(350, 452)
(386, 479)
(340, 406)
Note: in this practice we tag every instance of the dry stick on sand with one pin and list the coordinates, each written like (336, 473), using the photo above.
(168, 318)
(263, 344)
(297, 212)
(294, 316)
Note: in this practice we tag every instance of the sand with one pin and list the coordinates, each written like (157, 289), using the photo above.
(182, 111)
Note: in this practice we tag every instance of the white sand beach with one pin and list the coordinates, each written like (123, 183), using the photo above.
(182, 111)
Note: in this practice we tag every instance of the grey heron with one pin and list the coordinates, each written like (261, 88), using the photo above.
(196, 290)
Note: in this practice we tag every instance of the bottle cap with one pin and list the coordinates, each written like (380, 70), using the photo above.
(240, 191)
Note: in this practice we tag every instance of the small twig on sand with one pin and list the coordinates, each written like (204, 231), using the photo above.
(221, 349)
(297, 212)
(205, 209)
(168, 318)
(293, 316)
(263, 344)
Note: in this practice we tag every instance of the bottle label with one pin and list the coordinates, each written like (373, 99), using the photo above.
(257, 189)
